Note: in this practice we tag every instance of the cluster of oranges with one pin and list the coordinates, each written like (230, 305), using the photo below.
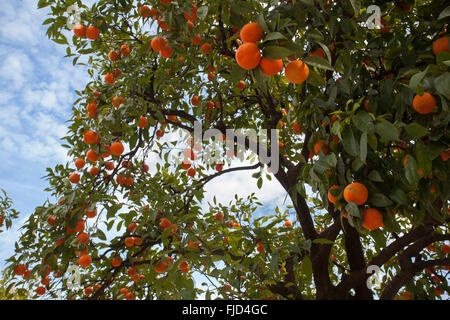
(90, 32)
(357, 193)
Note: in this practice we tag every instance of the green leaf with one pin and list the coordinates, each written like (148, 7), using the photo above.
(262, 22)
(442, 84)
(274, 36)
(412, 171)
(276, 52)
(363, 147)
(315, 79)
(387, 131)
(399, 196)
(422, 156)
(259, 183)
(202, 12)
(375, 176)
(415, 130)
(307, 267)
(445, 13)
(349, 142)
(416, 79)
(380, 200)
(352, 209)
(363, 122)
(237, 73)
(274, 263)
(322, 241)
(318, 62)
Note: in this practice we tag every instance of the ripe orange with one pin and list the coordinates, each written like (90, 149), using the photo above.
(296, 71)
(296, 127)
(424, 104)
(74, 178)
(117, 101)
(158, 43)
(88, 291)
(116, 262)
(356, 192)
(240, 85)
(125, 49)
(195, 101)
(123, 291)
(91, 214)
(40, 290)
(113, 55)
(90, 137)
(92, 33)
(440, 45)
(79, 30)
(52, 220)
(161, 267)
(287, 223)
(129, 241)
(373, 219)
(20, 269)
(80, 226)
(166, 52)
(91, 156)
(145, 12)
(186, 164)
(320, 146)
(184, 268)
(332, 198)
(165, 223)
(143, 122)
(137, 241)
(94, 171)
(206, 48)
(191, 172)
(85, 261)
(445, 248)
(251, 32)
(80, 163)
(83, 238)
(129, 296)
(132, 227)
(219, 167)
(197, 40)
(270, 67)
(218, 216)
(318, 53)
(91, 108)
(109, 78)
(248, 56)
(117, 148)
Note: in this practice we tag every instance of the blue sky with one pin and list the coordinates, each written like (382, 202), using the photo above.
(37, 89)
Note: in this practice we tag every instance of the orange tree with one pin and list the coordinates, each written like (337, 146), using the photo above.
(362, 114)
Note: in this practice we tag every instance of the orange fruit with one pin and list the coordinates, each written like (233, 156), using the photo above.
(166, 52)
(184, 268)
(197, 40)
(91, 214)
(320, 146)
(52, 220)
(123, 291)
(94, 171)
(91, 108)
(287, 223)
(145, 12)
(296, 127)
(79, 30)
(117, 148)
(85, 261)
(195, 101)
(218, 167)
(137, 241)
(113, 55)
(109, 165)
(206, 48)
(20, 269)
(251, 32)
(88, 291)
(218, 216)
(109, 78)
(318, 53)
(40, 290)
(332, 198)
(83, 238)
(92, 33)
(158, 43)
(240, 85)
(445, 248)
(270, 67)
(92, 156)
(356, 192)
(445, 155)
(165, 223)
(161, 267)
(132, 227)
(143, 122)
(191, 172)
(440, 45)
(129, 241)
(90, 137)
(424, 104)
(117, 101)
(80, 226)
(80, 163)
(373, 219)
(116, 262)
(74, 178)
(129, 296)
(296, 71)
(248, 56)
(125, 49)
(186, 164)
